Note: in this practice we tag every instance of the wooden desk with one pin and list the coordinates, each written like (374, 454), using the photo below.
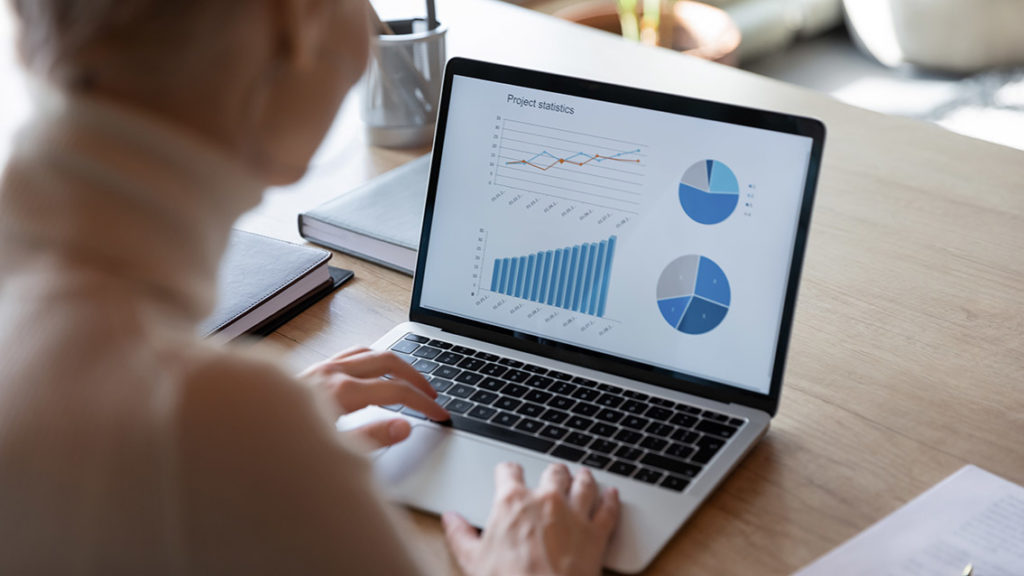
(907, 356)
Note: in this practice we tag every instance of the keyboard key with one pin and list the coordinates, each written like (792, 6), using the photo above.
(461, 391)
(538, 396)
(673, 483)
(448, 372)
(629, 453)
(579, 423)
(517, 376)
(596, 461)
(608, 415)
(483, 412)
(554, 416)
(463, 350)
(505, 419)
(636, 395)
(440, 385)
(405, 347)
(707, 447)
(685, 436)
(531, 426)
(425, 366)
(684, 469)
(440, 344)
(634, 406)
(561, 402)
(584, 381)
(531, 410)
(458, 406)
(661, 402)
(629, 436)
(610, 401)
(685, 420)
(622, 468)
(471, 363)
(560, 375)
(442, 399)
(584, 409)
(579, 439)
(681, 451)
(488, 430)
(449, 358)
(635, 422)
(540, 382)
(688, 409)
(506, 403)
(428, 352)
(660, 430)
(392, 407)
(487, 357)
(603, 430)
(414, 413)
(604, 446)
(652, 443)
(658, 413)
(587, 394)
(510, 363)
(484, 397)
(709, 415)
(468, 377)
(720, 430)
(492, 384)
(609, 388)
(647, 475)
(405, 358)
(417, 338)
(535, 369)
(567, 453)
(516, 390)
(561, 388)
(493, 369)
(737, 422)
(553, 432)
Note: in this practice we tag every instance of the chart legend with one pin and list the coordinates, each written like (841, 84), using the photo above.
(572, 278)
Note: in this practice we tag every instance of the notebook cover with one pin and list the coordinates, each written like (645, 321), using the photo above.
(387, 209)
(254, 269)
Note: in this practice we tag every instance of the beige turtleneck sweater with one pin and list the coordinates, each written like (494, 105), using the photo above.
(126, 445)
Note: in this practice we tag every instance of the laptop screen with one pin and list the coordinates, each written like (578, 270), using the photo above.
(657, 237)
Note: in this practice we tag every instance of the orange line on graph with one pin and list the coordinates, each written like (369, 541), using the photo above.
(589, 158)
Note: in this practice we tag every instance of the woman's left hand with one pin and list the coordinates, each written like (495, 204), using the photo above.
(360, 377)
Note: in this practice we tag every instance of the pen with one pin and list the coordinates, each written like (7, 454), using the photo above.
(968, 570)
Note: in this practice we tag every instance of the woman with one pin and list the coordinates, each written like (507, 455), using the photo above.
(126, 445)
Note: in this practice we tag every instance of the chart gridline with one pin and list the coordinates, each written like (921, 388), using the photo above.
(572, 278)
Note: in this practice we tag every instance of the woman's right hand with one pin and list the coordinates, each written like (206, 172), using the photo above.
(560, 529)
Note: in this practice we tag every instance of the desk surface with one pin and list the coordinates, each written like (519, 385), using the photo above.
(907, 354)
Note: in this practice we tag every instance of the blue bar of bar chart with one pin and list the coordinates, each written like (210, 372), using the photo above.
(573, 278)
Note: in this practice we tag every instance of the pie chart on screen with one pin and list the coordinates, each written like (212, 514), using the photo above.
(709, 192)
(693, 294)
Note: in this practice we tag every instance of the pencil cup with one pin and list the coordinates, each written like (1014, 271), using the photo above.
(402, 84)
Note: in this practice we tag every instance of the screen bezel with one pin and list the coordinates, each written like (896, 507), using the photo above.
(683, 105)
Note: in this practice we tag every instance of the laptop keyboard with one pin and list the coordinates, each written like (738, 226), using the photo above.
(603, 427)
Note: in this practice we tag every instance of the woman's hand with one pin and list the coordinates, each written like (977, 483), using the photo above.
(360, 377)
(562, 528)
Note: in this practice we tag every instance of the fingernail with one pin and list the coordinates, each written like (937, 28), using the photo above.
(396, 430)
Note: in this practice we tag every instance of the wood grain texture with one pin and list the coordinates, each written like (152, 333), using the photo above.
(907, 355)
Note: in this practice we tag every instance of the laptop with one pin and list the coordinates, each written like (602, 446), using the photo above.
(606, 278)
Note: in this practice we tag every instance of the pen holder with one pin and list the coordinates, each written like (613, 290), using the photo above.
(402, 84)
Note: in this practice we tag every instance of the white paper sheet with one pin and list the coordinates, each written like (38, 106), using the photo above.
(970, 517)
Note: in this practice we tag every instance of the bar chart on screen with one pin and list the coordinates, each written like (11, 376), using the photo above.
(574, 278)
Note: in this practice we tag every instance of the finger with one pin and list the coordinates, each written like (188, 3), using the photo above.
(385, 432)
(583, 493)
(556, 478)
(370, 364)
(508, 479)
(462, 538)
(607, 515)
(361, 393)
(350, 352)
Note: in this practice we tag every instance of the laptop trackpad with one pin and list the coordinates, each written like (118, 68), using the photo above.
(437, 470)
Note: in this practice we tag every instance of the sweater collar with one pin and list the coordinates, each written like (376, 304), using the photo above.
(128, 194)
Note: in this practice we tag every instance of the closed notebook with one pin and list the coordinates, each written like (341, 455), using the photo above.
(263, 282)
(379, 221)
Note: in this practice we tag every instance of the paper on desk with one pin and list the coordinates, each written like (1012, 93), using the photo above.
(970, 517)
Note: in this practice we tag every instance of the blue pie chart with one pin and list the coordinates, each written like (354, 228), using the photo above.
(693, 294)
(709, 192)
